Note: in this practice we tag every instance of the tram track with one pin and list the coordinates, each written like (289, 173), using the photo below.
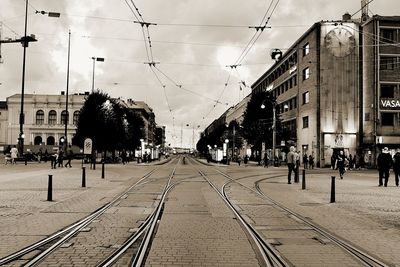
(357, 253)
(51, 243)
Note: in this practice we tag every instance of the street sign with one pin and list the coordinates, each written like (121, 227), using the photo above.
(87, 146)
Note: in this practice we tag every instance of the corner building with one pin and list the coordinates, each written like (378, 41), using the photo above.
(380, 108)
(316, 84)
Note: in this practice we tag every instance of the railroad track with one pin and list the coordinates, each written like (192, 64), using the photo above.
(268, 254)
(359, 254)
(50, 244)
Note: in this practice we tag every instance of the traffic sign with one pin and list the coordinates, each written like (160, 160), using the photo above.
(87, 146)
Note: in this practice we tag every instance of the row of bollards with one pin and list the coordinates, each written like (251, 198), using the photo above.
(303, 183)
(50, 181)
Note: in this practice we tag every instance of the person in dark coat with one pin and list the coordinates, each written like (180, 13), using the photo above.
(384, 164)
(305, 160)
(70, 155)
(396, 166)
(340, 163)
(311, 161)
(333, 161)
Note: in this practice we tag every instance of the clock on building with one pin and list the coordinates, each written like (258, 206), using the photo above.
(340, 42)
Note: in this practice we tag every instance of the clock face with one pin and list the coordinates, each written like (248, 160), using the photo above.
(340, 42)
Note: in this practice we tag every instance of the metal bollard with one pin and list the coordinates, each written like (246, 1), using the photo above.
(102, 170)
(50, 188)
(303, 180)
(333, 189)
(83, 176)
(296, 175)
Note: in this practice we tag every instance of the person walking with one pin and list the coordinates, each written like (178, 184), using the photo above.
(311, 162)
(384, 164)
(351, 162)
(266, 159)
(305, 161)
(239, 160)
(14, 154)
(60, 158)
(340, 163)
(396, 166)
(291, 161)
(54, 160)
(70, 155)
(333, 161)
(246, 159)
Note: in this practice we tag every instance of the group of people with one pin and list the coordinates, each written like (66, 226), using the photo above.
(57, 159)
(308, 161)
(293, 163)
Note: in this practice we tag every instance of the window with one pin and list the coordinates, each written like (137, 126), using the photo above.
(387, 119)
(76, 117)
(52, 117)
(40, 117)
(388, 63)
(388, 35)
(295, 80)
(64, 117)
(306, 73)
(305, 122)
(50, 141)
(387, 91)
(306, 49)
(306, 97)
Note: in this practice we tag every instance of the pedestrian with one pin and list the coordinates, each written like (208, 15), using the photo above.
(291, 161)
(39, 155)
(60, 158)
(123, 156)
(54, 160)
(396, 166)
(311, 162)
(246, 159)
(70, 155)
(46, 155)
(239, 160)
(266, 159)
(14, 154)
(333, 161)
(340, 163)
(384, 164)
(305, 160)
(351, 162)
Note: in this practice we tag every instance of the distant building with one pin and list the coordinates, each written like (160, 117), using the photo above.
(142, 109)
(44, 118)
(160, 137)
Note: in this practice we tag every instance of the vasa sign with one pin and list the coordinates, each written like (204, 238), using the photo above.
(390, 103)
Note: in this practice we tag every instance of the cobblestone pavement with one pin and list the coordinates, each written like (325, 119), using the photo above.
(26, 216)
(364, 214)
(197, 229)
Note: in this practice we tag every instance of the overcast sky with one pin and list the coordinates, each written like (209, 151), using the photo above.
(192, 55)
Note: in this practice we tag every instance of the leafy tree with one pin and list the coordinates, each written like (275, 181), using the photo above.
(108, 123)
(257, 123)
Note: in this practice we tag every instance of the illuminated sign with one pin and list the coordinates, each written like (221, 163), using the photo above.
(390, 103)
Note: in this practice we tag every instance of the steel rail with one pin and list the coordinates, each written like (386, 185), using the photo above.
(269, 256)
(67, 233)
(362, 256)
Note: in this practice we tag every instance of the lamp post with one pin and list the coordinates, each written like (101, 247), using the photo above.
(273, 125)
(25, 40)
(226, 151)
(101, 59)
(66, 95)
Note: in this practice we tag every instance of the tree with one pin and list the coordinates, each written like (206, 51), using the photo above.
(257, 122)
(109, 123)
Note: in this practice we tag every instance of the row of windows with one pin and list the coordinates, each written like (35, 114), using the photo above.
(389, 35)
(288, 105)
(389, 90)
(389, 63)
(290, 83)
(52, 117)
(388, 118)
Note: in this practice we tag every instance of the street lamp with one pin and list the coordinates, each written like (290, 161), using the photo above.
(226, 151)
(66, 95)
(25, 40)
(100, 59)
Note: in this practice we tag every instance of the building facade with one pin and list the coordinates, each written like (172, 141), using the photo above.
(380, 106)
(45, 117)
(316, 86)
